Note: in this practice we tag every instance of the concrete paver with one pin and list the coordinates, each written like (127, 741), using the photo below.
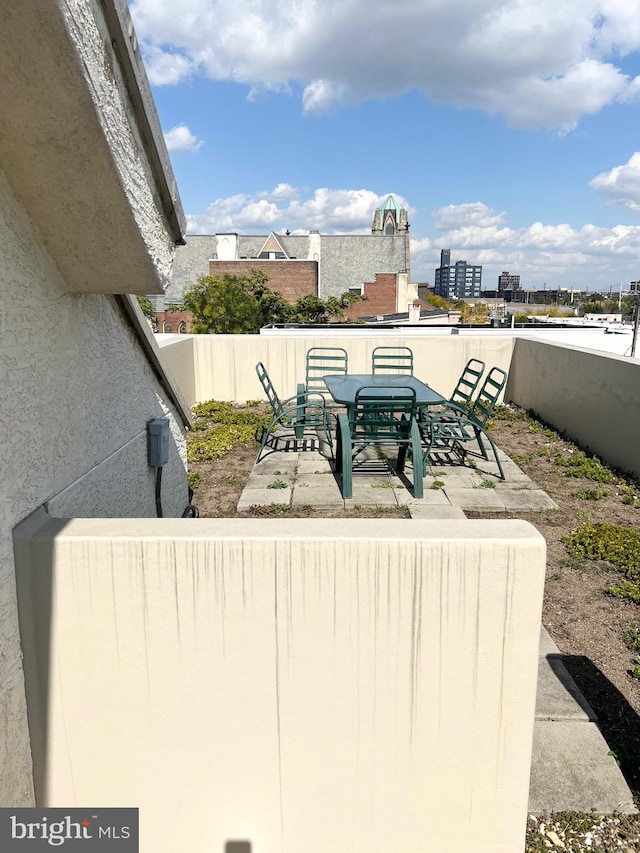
(572, 770)
(417, 509)
(264, 497)
(527, 499)
(486, 500)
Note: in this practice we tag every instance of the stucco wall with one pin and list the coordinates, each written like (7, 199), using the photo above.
(77, 393)
(592, 397)
(223, 366)
(306, 685)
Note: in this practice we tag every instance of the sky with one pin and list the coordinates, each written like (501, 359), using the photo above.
(509, 129)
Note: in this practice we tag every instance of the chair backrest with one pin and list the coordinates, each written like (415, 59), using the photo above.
(323, 361)
(375, 419)
(468, 382)
(488, 395)
(269, 390)
(392, 360)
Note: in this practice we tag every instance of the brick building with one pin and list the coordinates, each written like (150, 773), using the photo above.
(298, 265)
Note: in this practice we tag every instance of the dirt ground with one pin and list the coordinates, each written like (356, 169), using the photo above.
(587, 624)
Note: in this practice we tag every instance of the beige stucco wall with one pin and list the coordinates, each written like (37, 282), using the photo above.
(77, 392)
(591, 397)
(315, 684)
(223, 366)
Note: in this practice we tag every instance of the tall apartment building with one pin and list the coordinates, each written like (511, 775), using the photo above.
(458, 281)
(506, 281)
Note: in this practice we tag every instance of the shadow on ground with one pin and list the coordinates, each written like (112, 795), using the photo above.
(618, 721)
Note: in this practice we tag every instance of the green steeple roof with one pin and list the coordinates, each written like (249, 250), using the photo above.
(390, 204)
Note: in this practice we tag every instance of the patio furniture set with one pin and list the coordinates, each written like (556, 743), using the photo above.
(389, 406)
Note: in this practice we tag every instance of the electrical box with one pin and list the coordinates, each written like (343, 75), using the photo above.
(158, 430)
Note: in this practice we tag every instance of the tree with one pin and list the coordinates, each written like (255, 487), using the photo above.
(148, 311)
(222, 305)
(243, 304)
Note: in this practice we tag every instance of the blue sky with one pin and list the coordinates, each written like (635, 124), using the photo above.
(509, 128)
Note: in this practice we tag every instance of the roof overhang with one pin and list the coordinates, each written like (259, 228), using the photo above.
(81, 144)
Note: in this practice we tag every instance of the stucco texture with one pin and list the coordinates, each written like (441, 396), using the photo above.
(77, 392)
(307, 685)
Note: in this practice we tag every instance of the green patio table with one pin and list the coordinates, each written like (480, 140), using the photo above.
(343, 388)
(368, 421)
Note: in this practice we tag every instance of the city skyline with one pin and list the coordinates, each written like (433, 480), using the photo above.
(507, 129)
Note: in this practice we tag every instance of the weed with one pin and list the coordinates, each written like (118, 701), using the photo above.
(223, 413)
(588, 494)
(522, 458)
(277, 484)
(630, 495)
(253, 404)
(270, 509)
(503, 413)
(437, 484)
(211, 445)
(200, 426)
(578, 464)
(386, 485)
(485, 484)
(611, 543)
(631, 637)
(193, 479)
(626, 589)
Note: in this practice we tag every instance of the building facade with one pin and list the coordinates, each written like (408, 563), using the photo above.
(457, 281)
(298, 264)
(506, 281)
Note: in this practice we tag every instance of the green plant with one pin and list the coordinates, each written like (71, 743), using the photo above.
(437, 484)
(485, 484)
(193, 479)
(611, 543)
(522, 458)
(630, 495)
(199, 426)
(588, 494)
(626, 589)
(387, 485)
(211, 445)
(224, 413)
(578, 464)
(253, 404)
(277, 484)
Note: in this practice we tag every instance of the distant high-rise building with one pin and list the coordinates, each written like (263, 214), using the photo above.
(460, 281)
(506, 281)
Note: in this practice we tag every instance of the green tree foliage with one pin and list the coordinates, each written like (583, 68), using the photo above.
(242, 304)
(148, 311)
(223, 305)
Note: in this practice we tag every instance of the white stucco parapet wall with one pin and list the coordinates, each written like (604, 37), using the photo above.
(69, 134)
(303, 684)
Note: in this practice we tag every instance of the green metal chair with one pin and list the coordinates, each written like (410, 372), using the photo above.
(379, 420)
(462, 395)
(291, 418)
(454, 428)
(324, 361)
(392, 360)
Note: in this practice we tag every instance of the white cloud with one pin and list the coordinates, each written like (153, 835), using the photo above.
(180, 138)
(286, 207)
(621, 185)
(535, 62)
(559, 255)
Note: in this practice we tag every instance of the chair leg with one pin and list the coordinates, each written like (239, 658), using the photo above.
(418, 465)
(299, 427)
(344, 459)
(495, 453)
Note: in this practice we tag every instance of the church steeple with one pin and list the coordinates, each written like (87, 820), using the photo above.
(389, 218)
